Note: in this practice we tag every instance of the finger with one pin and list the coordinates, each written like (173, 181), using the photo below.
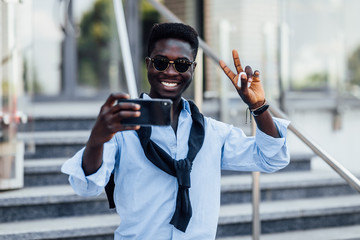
(249, 74)
(125, 106)
(227, 70)
(126, 114)
(237, 63)
(119, 127)
(114, 96)
(256, 76)
(248, 71)
(242, 74)
(127, 128)
(244, 83)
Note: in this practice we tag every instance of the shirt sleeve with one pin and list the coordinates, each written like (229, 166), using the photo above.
(91, 185)
(261, 153)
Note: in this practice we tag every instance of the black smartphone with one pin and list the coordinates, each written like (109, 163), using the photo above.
(153, 112)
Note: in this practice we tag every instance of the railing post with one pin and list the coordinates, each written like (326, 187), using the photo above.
(125, 48)
(256, 223)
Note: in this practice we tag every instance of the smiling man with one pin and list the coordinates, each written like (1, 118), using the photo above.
(167, 178)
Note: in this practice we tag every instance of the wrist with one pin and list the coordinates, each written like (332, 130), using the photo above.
(259, 109)
(94, 143)
(256, 105)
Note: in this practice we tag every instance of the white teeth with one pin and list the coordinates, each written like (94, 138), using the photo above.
(168, 84)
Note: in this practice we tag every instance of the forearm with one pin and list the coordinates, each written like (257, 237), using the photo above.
(92, 158)
(266, 124)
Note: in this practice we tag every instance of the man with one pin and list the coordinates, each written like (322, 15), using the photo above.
(167, 178)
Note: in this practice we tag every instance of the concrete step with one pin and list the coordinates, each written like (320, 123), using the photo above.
(291, 215)
(284, 186)
(95, 227)
(44, 172)
(48, 202)
(344, 232)
(65, 109)
(58, 123)
(235, 219)
(55, 144)
(299, 162)
(234, 188)
(89, 227)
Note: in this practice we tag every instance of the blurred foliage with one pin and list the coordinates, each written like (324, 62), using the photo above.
(96, 32)
(313, 82)
(149, 16)
(354, 67)
(31, 82)
(319, 81)
(5, 86)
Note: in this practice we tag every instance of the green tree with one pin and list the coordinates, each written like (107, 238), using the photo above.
(354, 67)
(97, 30)
(312, 82)
(149, 16)
(98, 39)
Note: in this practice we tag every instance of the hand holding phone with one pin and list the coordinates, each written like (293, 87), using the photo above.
(153, 112)
(108, 123)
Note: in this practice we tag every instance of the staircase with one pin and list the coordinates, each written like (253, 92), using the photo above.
(297, 202)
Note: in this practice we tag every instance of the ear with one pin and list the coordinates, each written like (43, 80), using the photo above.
(147, 61)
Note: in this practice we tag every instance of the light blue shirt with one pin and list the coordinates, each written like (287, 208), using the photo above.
(145, 196)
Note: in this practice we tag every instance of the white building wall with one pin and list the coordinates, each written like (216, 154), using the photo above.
(248, 20)
(341, 144)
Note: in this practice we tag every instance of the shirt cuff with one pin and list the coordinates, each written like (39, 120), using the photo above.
(269, 145)
(73, 167)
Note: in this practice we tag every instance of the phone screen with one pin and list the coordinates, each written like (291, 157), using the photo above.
(153, 112)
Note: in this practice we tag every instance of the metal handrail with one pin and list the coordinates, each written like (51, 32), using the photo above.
(335, 165)
(125, 48)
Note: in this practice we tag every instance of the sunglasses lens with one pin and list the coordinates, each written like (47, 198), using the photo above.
(181, 67)
(161, 64)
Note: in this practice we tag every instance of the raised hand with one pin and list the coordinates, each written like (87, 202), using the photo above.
(247, 84)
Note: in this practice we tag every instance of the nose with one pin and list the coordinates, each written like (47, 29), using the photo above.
(171, 69)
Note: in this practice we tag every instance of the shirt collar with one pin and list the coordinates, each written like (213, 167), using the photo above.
(186, 105)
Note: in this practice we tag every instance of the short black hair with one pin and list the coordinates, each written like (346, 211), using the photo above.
(173, 30)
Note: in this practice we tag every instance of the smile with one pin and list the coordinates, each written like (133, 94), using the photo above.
(169, 84)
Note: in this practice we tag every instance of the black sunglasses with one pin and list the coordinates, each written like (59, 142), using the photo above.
(180, 65)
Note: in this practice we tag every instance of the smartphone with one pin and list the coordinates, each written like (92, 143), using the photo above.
(153, 112)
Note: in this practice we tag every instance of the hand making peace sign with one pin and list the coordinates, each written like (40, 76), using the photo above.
(249, 88)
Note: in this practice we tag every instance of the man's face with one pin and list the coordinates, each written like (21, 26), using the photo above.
(170, 83)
